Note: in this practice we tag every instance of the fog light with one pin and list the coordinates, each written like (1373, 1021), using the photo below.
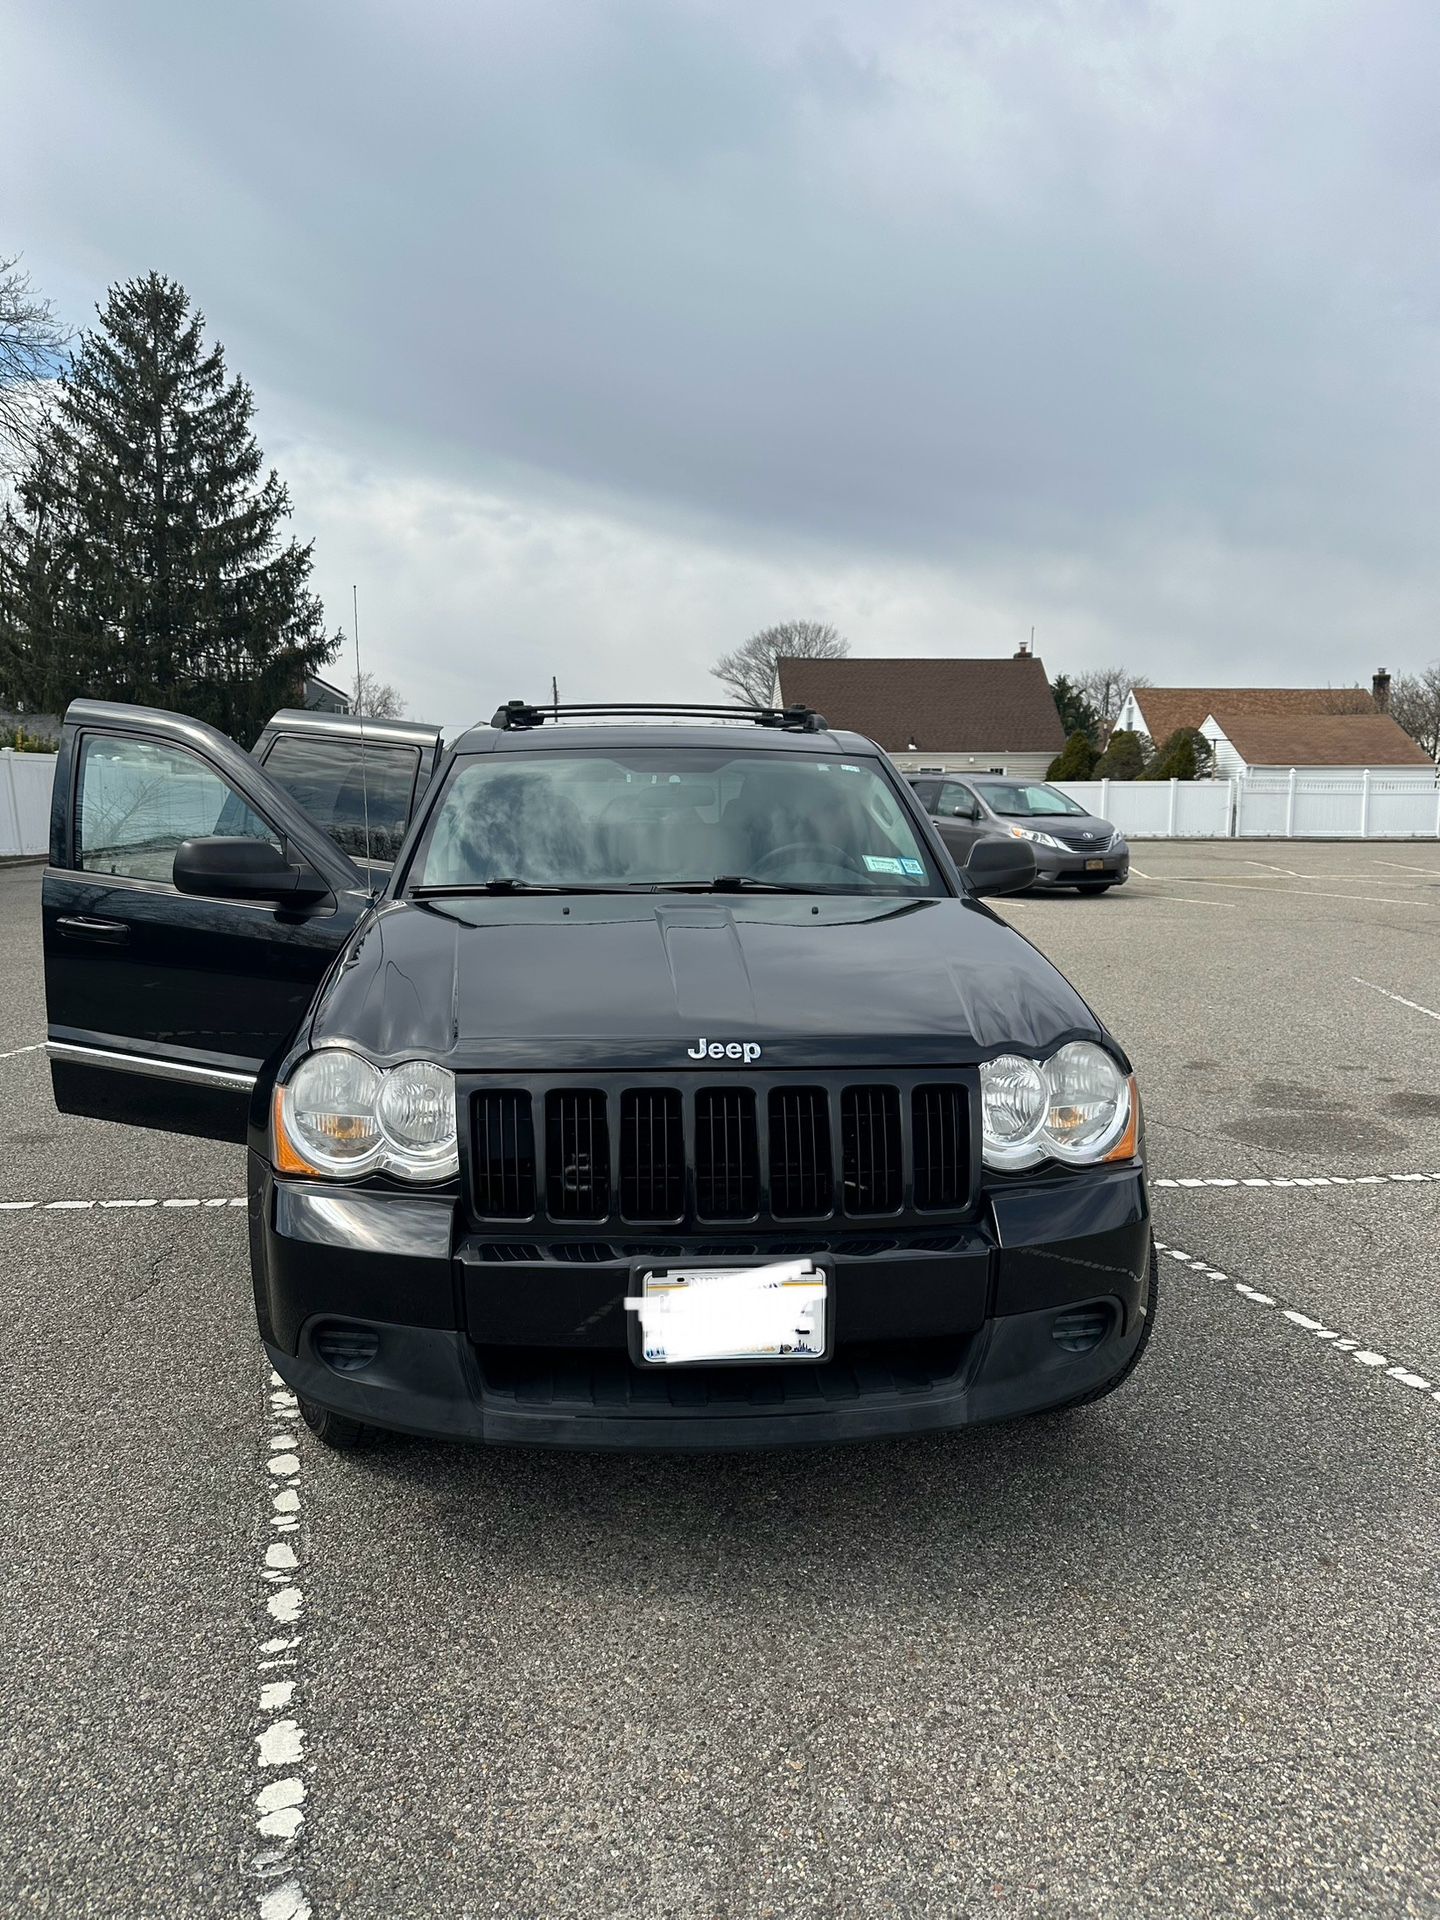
(345, 1347)
(1079, 1329)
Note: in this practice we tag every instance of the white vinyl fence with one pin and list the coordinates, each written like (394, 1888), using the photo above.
(25, 782)
(1279, 806)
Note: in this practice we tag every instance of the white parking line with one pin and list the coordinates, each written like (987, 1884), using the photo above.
(1304, 1180)
(15, 1052)
(1301, 893)
(280, 1764)
(1367, 1357)
(81, 1206)
(1399, 999)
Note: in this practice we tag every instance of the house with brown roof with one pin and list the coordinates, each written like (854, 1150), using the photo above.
(1159, 711)
(1333, 743)
(941, 716)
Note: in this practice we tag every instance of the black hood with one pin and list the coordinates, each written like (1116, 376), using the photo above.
(544, 983)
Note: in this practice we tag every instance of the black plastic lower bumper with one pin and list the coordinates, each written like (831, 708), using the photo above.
(468, 1345)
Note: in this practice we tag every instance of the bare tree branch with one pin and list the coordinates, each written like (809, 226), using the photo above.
(376, 699)
(1415, 705)
(1105, 688)
(31, 343)
(749, 671)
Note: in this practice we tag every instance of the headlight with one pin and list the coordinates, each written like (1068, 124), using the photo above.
(1116, 841)
(341, 1117)
(1077, 1107)
(1040, 839)
(1015, 1099)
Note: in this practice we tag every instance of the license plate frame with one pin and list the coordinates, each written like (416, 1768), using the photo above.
(643, 1272)
(1094, 866)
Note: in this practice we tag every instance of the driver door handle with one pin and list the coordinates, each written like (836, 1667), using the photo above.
(80, 926)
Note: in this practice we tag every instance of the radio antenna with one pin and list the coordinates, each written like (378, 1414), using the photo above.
(360, 715)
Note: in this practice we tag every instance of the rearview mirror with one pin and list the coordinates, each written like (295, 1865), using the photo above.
(226, 867)
(1000, 866)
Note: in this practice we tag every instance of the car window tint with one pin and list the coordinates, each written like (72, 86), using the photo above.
(338, 789)
(953, 795)
(139, 800)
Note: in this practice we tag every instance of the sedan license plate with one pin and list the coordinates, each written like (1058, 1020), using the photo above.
(699, 1316)
(1094, 866)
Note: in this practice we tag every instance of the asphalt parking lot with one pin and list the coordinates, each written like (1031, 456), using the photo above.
(1172, 1655)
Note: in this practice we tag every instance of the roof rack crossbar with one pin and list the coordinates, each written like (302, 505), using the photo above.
(518, 715)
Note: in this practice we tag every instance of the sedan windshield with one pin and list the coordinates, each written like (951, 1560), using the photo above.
(1022, 800)
(659, 817)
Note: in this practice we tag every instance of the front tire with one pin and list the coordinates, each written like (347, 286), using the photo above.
(336, 1430)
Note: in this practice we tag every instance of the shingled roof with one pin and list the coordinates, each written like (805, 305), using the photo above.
(944, 706)
(1166, 708)
(1320, 740)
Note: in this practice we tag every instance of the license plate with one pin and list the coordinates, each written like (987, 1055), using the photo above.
(1094, 866)
(696, 1316)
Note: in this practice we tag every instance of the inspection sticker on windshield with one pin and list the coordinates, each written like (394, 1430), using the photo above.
(694, 1314)
(887, 863)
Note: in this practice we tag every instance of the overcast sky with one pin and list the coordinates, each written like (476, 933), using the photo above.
(592, 337)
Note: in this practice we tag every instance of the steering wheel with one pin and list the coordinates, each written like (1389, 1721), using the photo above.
(810, 850)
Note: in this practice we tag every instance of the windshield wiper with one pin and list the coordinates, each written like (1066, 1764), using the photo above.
(460, 888)
(742, 883)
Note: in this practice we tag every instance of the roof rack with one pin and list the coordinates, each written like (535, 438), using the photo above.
(518, 715)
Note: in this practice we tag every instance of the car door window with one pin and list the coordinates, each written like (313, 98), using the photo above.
(362, 799)
(136, 801)
(953, 796)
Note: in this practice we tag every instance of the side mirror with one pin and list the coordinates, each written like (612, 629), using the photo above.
(1000, 866)
(230, 868)
(967, 813)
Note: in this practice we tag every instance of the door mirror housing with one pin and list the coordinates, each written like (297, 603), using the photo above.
(971, 812)
(1000, 866)
(225, 867)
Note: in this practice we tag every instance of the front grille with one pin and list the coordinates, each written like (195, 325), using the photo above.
(652, 1154)
(801, 1177)
(727, 1157)
(577, 1155)
(760, 1149)
(504, 1155)
(941, 1131)
(870, 1149)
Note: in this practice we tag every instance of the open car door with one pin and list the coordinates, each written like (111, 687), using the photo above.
(170, 984)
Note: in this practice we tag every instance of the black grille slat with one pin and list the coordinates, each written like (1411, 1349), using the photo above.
(652, 1154)
(871, 1158)
(940, 1130)
(504, 1154)
(577, 1155)
(727, 1156)
(801, 1179)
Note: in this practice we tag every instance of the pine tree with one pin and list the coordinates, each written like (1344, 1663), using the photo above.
(1078, 712)
(1075, 761)
(1124, 758)
(148, 560)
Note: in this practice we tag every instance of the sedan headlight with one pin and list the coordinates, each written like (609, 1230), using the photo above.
(340, 1117)
(1040, 839)
(1077, 1107)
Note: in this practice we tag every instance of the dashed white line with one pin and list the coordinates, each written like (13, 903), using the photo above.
(280, 1761)
(1368, 1357)
(1399, 999)
(1303, 1180)
(81, 1206)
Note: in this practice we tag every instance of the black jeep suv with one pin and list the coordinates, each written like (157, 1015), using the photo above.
(676, 1090)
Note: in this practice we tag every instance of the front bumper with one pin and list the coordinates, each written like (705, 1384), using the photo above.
(471, 1345)
(1054, 869)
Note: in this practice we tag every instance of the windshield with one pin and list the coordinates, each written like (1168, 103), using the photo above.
(1022, 800)
(672, 816)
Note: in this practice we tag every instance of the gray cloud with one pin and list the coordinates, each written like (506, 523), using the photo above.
(1122, 318)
